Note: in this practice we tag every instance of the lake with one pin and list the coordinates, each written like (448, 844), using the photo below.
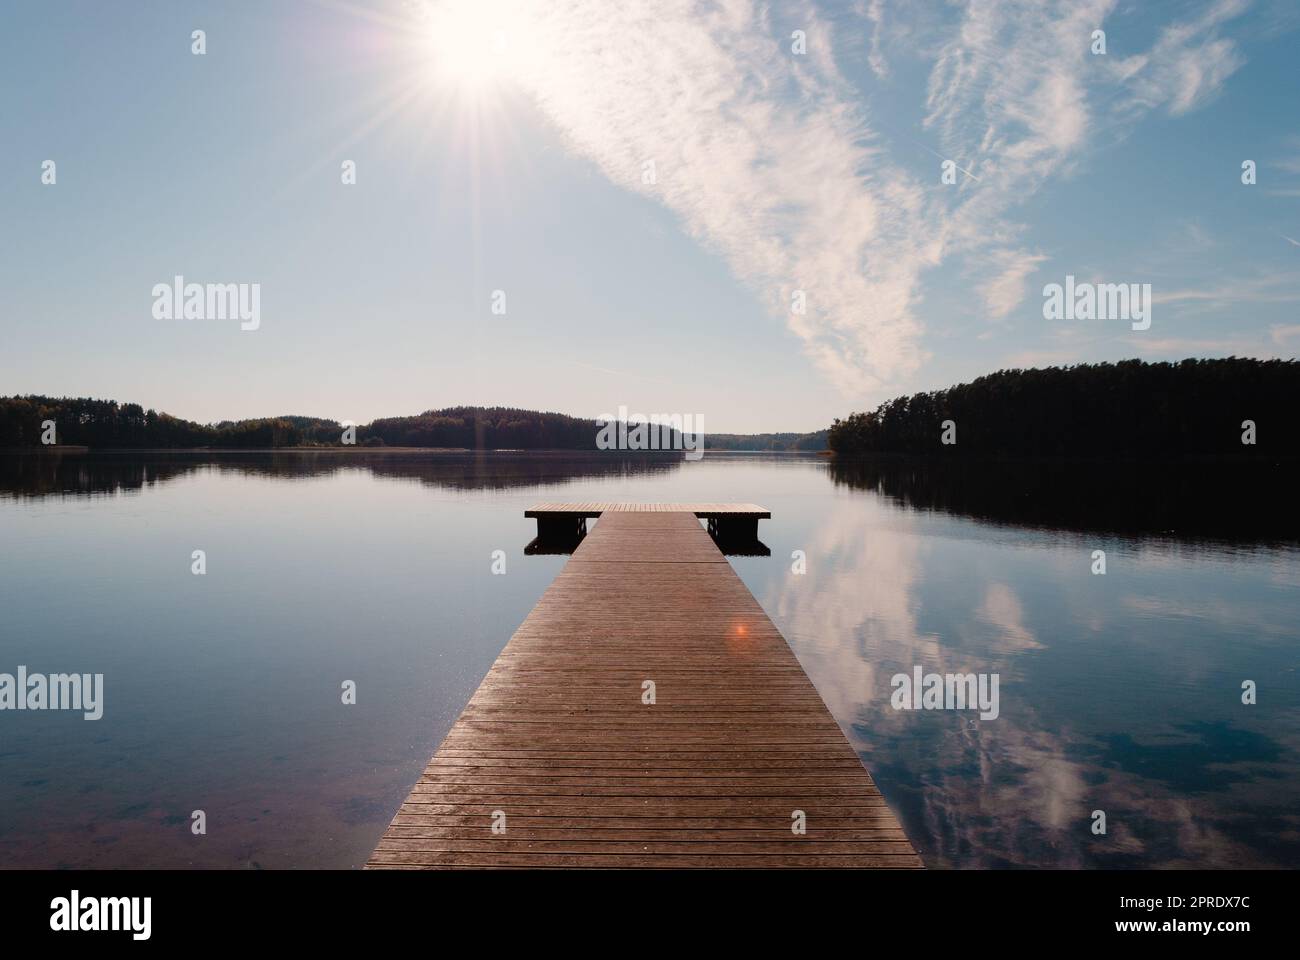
(1120, 692)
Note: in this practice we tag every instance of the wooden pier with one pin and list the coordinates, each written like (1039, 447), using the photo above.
(647, 713)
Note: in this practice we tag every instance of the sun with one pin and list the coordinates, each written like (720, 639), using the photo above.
(470, 43)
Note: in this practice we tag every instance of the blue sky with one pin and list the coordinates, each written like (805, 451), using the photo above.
(503, 145)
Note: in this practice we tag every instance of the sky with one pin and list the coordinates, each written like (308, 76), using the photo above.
(733, 210)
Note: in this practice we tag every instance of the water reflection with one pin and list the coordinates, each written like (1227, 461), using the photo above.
(73, 474)
(1118, 692)
(1106, 701)
(739, 545)
(1236, 502)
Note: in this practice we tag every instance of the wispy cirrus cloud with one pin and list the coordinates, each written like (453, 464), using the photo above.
(1188, 64)
(770, 159)
(764, 155)
(1017, 88)
(1238, 290)
(1005, 290)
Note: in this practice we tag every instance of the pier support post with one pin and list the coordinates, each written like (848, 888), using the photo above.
(561, 528)
(738, 529)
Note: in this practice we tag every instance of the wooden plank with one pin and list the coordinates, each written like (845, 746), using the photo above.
(558, 739)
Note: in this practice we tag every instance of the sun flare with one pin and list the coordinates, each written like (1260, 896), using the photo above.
(470, 43)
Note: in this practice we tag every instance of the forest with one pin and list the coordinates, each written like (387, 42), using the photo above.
(83, 421)
(109, 424)
(106, 424)
(1125, 410)
(766, 441)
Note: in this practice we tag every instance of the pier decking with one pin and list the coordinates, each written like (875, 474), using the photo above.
(560, 750)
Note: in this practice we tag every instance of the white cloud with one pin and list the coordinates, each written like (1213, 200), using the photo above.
(769, 159)
(1188, 65)
(1006, 289)
(1256, 289)
(764, 155)
(874, 11)
(1017, 88)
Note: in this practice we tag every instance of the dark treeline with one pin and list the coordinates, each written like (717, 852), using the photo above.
(479, 428)
(106, 424)
(766, 441)
(1130, 410)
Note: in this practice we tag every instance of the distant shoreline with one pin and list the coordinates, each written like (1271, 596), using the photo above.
(381, 450)
(883, 457)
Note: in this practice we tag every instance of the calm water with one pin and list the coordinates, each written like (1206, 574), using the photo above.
(222, 692)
